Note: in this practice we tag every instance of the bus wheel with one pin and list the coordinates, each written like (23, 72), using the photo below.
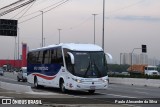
(36, 82)
(62, 87)
(91, 91)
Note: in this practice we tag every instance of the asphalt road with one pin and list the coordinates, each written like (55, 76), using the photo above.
(115, 92)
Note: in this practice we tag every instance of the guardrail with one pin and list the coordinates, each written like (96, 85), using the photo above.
(136, 81)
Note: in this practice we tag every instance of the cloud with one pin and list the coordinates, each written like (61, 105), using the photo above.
(137, 18)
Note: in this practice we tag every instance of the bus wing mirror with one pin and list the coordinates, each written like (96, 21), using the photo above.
(109, 56)
(71, 56)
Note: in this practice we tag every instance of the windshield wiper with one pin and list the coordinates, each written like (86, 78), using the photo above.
(87, 70)
(99, 73)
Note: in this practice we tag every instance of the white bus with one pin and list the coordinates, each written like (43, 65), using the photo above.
(68, 67)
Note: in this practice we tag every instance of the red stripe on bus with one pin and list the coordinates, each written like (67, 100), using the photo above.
(44, 77)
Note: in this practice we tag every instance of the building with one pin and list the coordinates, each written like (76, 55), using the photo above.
(128, 58)
(16, 63)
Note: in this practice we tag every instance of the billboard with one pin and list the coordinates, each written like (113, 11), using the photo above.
(8, 27)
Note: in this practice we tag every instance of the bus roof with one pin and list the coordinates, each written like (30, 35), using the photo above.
(82, 47)
(74, 47)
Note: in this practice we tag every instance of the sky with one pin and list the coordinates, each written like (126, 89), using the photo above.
(128, 25)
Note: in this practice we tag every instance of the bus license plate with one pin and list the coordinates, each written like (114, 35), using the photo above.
(92, 87)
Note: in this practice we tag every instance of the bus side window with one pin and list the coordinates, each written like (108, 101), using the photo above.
(56, 56)
(59, 57)
(30, 58)
(35, 55)
(46, 57)
(53, 56)
(39, 57)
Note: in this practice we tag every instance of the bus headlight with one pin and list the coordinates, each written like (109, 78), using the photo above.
(106, 80)
(77, 80)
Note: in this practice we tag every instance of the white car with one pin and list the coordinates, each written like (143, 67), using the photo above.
(22, 74)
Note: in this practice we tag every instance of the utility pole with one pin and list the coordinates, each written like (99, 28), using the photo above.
(44, 42)
(42, 28)
(94, 26)
(59, 35)
(103, 24)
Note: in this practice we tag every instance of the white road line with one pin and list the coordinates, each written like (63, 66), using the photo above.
(5, 97)
(130, 105)
(117, 95)
(141, 92)
(42, 93)
(121, 96)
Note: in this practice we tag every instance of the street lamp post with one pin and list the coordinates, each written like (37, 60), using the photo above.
(103, 24)
(132, 56)
(44, 42)
(59, 35)
(94, 26)
(42, 28)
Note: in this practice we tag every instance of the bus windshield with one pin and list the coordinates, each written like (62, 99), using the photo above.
(90, 64)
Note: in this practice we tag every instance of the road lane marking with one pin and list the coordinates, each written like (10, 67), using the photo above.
(121, 96)
(141, 92)
(116, 95)
(42, 93)
(130, 105)
(5, 97)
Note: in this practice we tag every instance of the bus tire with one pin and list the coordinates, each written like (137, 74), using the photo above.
(36, 83)
(91, 91)
(62, 86)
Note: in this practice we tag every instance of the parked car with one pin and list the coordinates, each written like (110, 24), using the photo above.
(22, 74)
(1, 72)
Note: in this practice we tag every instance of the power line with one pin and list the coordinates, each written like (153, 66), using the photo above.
(16, 7)
(44, 12)
(57, 6)
(87, 19)
(11, 4)
(20, 12)
(131, 5)
(43, 8)
(26, 10)
(82, 22)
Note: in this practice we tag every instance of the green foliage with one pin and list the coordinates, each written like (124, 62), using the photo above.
(117, 68)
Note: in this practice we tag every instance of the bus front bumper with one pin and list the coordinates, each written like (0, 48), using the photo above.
(91, 86)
